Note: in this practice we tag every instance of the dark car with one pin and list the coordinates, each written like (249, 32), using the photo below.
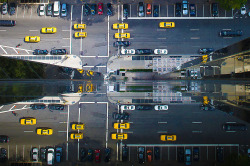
(157, 153)
(220, 154)
(12, 8)
(215, 9)
(156, 11)
(178, 10)
(125, 10)
(40, 52)
(121, 116)
(83, 154)
(43, 154)
(107, 154)
(234, 127)
(144, 107)
(56, 107)
(206, 50)
(90, 154)
(97, 155)
(58, 52)
(180, 154)
(141, 157)
(124, 153)
(109, 7)
(230, 33)
(143, 51)
(188, 155)
(141, 10)
(86, 9)
(93, 9)
(37, 106)
(196, 156)
(3, 155)
(58, 154)
(122, 43)
(192, 10)
(49, 10)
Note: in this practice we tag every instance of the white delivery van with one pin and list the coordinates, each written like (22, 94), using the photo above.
(50, 156)
(56, 8)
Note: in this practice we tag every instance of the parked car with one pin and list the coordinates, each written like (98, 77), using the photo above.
(124, 153)
(40, 52)
(178, 10)
(42, 154)
(90, 155)
(93, 9)
(58, 154)
(12, 8)
(86, 9)
(58, 52)
(188, 156)
(56, 107)
(83, 154)
(141, 9)
(100, 8)
(49, 10)
(149, 155)
(34, 154)
(107, 154)
(157, 153)
(127, 51)
(109, 8)
(196, 156)
(144, 107)
(4, 8)
(161, 107)
(64, 10)
(143, 51)
(97, 155)
(230, 33)
(156, 11)
(141, 157)
(180, 154)
(184, 7)
(128, 107)
(125, 10)
(220, 154)
(161, 51)
(37, 106)
(234, 127)
(192, 10)
(41, 10)
(50, 156)
(3, 155)
(4, 139)
(243, 10)
(206, 50)
(149, 9)
(215, 9)
(122, 43)
(121, 116)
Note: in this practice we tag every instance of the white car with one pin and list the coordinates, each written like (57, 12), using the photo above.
(161, 107)
(128, 51)
(4, 8)
(41, 10)
(128, 107)
(161, 51)
(243, 10)
(34, 154)
(184, 7)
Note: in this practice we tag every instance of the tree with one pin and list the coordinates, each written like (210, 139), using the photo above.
(231, 4)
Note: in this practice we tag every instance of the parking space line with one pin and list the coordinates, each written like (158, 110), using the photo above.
(118, 17)
(24, 10)
(117, 147)
(130, 11)
(16, 152)
(204, 9)
(16, 11)
(67, 148)
(87, 102)
(23, 151)
(1, 107)
(108, 36)
(122, 13)
(167, 10)
(30, 12)
(27, 52)
(81, 29)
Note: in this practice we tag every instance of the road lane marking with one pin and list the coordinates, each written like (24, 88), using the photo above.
(129, 132)
(227, 29)
(2, 30)
(194, 29)
(66, 38)
(162, 131)
(67, 148)
(33, 30)
(62, 131)
(163, 38)
(162, 122)
(195, 46)
(65, 30)
(62, 122)
(28, 131)
(3, 49)
(161, 29)
(196, 122)
(1, 107)
(65, 46)
(230, 122)
(81, 40)
(196, 131)
(195, 38)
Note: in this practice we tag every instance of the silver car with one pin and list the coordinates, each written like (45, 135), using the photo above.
(141, 9)
(4, 8)
(184, 7)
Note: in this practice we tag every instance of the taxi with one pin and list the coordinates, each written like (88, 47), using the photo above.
(49, 30)
(122, 35)
(27, 121)
(167, 25)
(119, 136)
(76, 135)
(76, 126)
(81, 34)
(44, 131)
(79, 26)
(120, 26)
(32, 39)
(121, 125)
(168, 137)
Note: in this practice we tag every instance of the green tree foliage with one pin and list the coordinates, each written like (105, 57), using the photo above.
(234, 160)
(231, 4)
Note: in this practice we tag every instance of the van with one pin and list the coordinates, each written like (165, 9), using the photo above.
(50, 156)
(7, 23)
(56, 8)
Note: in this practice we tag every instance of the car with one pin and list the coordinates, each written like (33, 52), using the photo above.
(79, 26)
(49, 30)
(80, 34)
(161, 51)
(125, 10)
(40, 52)
(234, 127)
(128, 107)
(156, 11)
(206, 50)
(149, 155)
(49, 10)
(121, 125)
(27, 121)
(192, 10)
(141, 9)
(188, 156)
(37, 106)
(4, 139)
(180, 154)
(76, 135)
(44, 131)
(58, 52)
(86, 9)
(12, 8)
(178, 9)
(100, 8)
(124, 153)
(64, 10)
(50, 156)
(32, 39)
(214, 9)
(83, 154)
(243, 10)
(122, 35)
(120, 26)
(196, 156)
(161, 107)
(90, 154)
(122, 43)
(144, 107)
(143, 51)
(184, 7)
(119, 136)
(168, 137)
(93, 9)
(141, 151)
(34, 154)
(97, 155)
(127, 51)
(230, 33)
(107, 154)
(4, 8)
(149, 9)
(3, 155)
(166, 24)
(121, 116)
(56, 107)
(78, 126)
(58, 154)
(157, 153)
(41, 10)
(109, 8)
(219, 154)
(42, 154)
